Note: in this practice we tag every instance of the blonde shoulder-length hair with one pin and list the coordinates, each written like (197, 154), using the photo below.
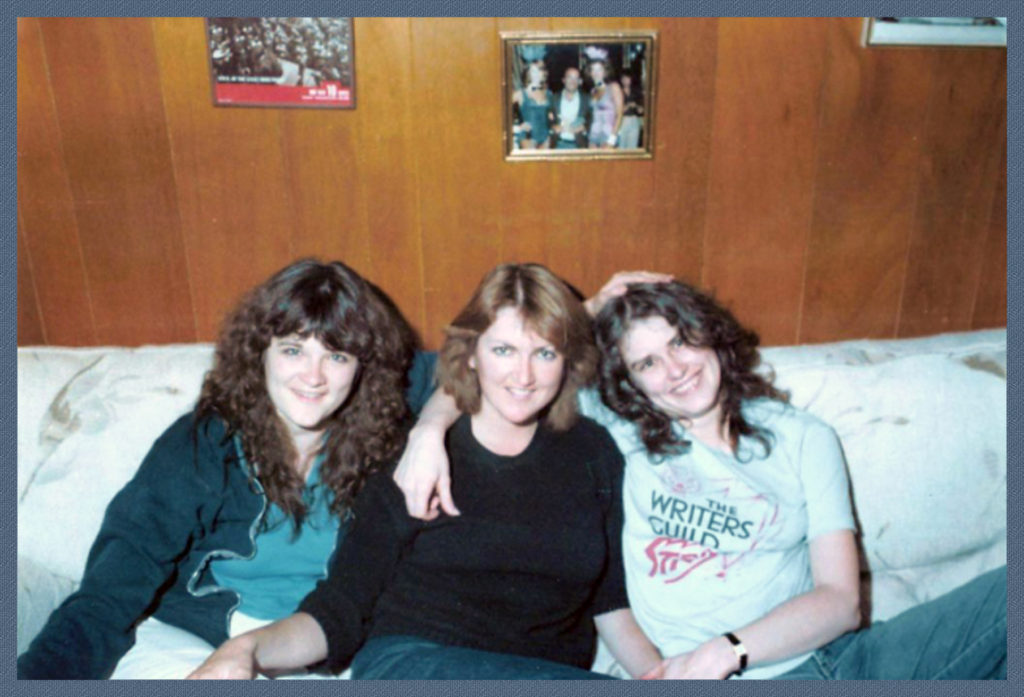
(549, 307)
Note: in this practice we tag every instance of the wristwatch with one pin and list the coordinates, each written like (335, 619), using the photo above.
(739, 649)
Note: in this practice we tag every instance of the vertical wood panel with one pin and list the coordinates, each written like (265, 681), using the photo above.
(457, 131)
(237, 214)
(959, 174)
(325, 221)
(45, 206)
(990, 306)
(685, 112)
(388, 164)
(874, 110)
(30, 324)
(762, 168)
(107, 90)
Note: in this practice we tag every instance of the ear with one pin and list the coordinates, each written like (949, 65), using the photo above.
(471, 362)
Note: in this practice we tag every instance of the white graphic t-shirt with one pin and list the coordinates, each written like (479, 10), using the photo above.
(712, 541)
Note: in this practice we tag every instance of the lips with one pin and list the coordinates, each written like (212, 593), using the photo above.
(306, 396)
(520, 393)
(689, 384)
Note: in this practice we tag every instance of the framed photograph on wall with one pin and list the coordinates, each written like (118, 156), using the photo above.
(282, 61)
(578, 95)
(935, 31)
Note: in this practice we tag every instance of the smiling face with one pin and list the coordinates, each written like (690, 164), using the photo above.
(537, 75)
(571, 79)
(520, 372)
(307, 382)
(680, 380)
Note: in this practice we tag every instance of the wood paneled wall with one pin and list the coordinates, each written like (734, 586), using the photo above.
(822, 190)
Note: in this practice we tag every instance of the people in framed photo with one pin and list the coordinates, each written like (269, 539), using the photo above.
(570, 96)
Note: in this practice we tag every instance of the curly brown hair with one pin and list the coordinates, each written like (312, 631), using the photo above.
(549, 306)
(701, 322)
(346, 313)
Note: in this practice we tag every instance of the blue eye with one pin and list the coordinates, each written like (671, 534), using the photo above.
(547, 354)
(641, 366)
(677, 342)
(290, 351)
(339, 357)
(501, 350)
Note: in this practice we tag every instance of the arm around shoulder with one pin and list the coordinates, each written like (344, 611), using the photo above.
(423, 468)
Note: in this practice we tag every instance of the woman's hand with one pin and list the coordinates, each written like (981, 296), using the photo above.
(422, 473)
(234, 660)
(283, 646)
(627, 642)
(712, 660)
(617, 285)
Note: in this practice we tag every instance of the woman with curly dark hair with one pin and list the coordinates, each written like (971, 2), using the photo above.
(739, 539)
(703, 323)
(514, 587)
(232, 516)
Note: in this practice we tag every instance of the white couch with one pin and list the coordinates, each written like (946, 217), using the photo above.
(922, 422)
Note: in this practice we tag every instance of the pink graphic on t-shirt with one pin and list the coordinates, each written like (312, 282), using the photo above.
(680, 480)
(669, 556)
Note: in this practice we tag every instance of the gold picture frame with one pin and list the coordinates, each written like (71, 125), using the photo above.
(575, 95)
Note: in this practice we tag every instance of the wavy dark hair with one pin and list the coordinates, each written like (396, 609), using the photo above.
(701, 322)
(549, 307)
(333, 303)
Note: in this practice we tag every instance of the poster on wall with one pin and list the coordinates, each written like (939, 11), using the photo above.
(282, 61)
(935, 31)
(578, 95)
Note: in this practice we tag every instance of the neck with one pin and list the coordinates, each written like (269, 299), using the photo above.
(306, 447)
(502, 437)
(711, 430)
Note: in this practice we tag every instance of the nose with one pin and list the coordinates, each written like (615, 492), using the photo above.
(524, 372)
(313, 373)
(676, 366)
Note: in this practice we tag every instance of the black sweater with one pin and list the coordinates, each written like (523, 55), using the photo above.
(533, 557)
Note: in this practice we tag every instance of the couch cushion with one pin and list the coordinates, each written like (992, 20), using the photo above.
(925, 441)
(86, 418)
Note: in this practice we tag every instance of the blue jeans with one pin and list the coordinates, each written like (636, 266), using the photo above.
(958, 636)
(413, 658)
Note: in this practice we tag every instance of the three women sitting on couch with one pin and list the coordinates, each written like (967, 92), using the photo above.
(737, 545)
